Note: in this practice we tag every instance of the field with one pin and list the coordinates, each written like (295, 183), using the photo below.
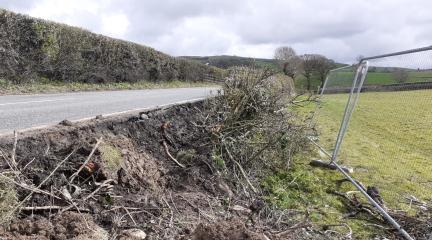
(388, 141)
(344, 79)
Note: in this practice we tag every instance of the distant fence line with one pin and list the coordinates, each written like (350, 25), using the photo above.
(212, 78)
(382, 88)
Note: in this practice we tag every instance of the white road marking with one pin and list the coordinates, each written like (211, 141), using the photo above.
(39, 101)
(46, 126)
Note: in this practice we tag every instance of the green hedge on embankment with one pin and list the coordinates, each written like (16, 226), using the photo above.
(31, 49)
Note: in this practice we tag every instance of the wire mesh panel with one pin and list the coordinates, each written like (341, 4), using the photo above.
(389, 141)
(331, 105)
(389, 138)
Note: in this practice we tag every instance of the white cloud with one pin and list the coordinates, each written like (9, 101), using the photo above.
(338, 29)
(115, 25)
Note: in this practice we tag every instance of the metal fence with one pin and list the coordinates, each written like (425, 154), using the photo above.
(387, 140)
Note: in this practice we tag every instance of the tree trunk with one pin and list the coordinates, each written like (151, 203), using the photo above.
(308, 80)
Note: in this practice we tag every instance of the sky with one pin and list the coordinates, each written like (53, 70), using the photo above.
(340, 30)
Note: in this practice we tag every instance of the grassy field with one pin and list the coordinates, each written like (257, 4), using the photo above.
(344, 79)
(56, 87)
(388, 141)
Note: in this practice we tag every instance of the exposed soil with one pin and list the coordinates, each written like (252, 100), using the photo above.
(142, 188)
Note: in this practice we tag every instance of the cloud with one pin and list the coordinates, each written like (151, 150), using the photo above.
(338, 29)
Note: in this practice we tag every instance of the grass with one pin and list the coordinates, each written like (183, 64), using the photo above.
(111, 156)
(389, 145)
(388, 141)
(45, 86)
(8, 199)
(344, 78)
(307, 190)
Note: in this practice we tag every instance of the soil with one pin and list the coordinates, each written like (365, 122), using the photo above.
(144, 189)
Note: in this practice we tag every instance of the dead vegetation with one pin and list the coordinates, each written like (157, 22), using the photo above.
(189, 172)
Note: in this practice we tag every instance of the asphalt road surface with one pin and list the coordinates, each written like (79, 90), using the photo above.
(18, 112)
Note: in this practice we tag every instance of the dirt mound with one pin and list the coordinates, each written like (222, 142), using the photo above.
(69, 225)
(152, 173)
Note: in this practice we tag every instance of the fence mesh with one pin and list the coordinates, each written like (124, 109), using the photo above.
(389, 139)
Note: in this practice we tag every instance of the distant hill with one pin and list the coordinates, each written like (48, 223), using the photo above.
(225, 61)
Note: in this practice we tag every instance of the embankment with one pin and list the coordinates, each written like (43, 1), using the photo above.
(114, 178)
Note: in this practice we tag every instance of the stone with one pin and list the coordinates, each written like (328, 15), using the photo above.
(132, 234)
(144, 116)
(66, 123)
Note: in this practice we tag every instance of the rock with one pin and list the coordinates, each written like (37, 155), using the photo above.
(99, 117)
(240, 209)
(257, 205)
(132, 234)
(144, 116)
(66, 123)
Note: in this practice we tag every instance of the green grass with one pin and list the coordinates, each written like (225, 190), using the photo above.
(389, 145)
(8, 199)
(344, 78)
(388, 141)
(111, 157)
(307, 190)
(44, 86)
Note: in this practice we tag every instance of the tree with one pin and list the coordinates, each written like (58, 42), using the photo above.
(308, 67)
(289, 61)
(359, 58)
(322, 66)
(315, 64)
(400, 75)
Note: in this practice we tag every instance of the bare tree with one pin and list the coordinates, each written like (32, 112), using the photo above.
(359, 58)
(400, 75)
(289, 61)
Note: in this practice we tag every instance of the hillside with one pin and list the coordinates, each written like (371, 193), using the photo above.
(225, 61)
(32, 49)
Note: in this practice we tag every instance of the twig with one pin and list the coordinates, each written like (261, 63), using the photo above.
(72, 177)
(27, 164)
(171, 212)
(198, 210)
(130, 215)
(171, 198)
(47, 149)
(241, 170)
(42, 183)
(36, 190)
(8, 163)
(40, 208)
(104, 184)
(170, 156)
(14, 149)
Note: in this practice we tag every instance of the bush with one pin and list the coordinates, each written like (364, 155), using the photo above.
(252, 125)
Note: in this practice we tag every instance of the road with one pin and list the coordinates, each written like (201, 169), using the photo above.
(18, 112)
